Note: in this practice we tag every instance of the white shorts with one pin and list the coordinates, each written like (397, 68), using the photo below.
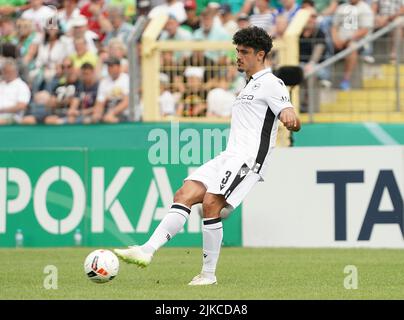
(226, 175)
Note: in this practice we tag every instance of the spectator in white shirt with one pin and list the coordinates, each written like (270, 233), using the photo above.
(15, 94)
(79, 29)
(171, 7)
(51, 53)
(68, 13)
(352, 21)
(39, 14)
(166, 99)
(113, 95)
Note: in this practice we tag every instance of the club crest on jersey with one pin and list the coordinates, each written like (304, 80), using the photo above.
(243, 172)
(256, 86)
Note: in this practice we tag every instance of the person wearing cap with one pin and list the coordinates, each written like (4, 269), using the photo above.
(170, 7)
(113, 95)
(192, 22)
(227, 19)
(116, 48)
(192, 103)
(166, 99)
(79, 29)
(243, 21)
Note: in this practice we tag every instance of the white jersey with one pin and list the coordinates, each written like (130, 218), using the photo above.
(254, 124)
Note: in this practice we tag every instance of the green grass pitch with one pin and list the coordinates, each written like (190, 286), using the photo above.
(243, 273)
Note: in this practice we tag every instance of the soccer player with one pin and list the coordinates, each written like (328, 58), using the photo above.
(223, 182)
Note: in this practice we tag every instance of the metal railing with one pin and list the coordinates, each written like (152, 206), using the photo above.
(311, 76)
(134, 69)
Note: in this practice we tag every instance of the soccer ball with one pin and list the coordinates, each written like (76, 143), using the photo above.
(101, 266)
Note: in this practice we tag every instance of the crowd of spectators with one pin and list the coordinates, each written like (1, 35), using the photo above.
(66, 61)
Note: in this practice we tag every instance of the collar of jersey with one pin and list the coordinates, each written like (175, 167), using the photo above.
(259, 74)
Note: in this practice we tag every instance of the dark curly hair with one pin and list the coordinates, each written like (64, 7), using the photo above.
(254, 37)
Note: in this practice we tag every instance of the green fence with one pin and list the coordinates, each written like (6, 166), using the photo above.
(115, 196)
(134, 135)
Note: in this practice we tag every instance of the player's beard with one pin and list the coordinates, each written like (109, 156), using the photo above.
(239, 68)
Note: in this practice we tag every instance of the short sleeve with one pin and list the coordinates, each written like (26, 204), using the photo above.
(101, 95)
(278, 97)
(24, 93)
(125, 84)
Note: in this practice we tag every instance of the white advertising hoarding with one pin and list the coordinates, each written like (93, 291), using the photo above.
(328, 197)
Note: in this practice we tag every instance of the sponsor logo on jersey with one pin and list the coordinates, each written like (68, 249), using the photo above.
(285, 99)
(245, 97)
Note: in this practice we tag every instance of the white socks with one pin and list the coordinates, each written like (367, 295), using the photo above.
(174, 221)
(171, 224)
(212, 241)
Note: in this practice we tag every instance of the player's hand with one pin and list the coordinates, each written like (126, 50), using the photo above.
(289, 119)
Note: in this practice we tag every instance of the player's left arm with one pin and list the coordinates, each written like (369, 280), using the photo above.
(279, 102)
(289, 119)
